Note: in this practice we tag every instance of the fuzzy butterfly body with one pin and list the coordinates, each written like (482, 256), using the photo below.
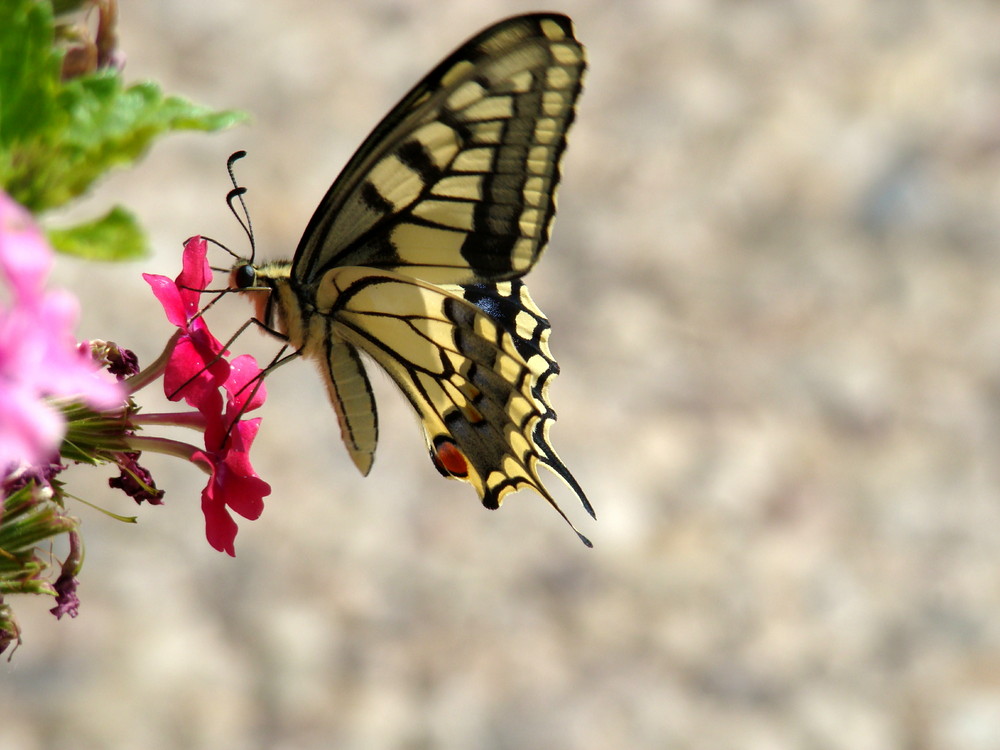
(415, 254)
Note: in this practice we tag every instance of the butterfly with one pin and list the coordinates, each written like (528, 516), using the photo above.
(415, 255)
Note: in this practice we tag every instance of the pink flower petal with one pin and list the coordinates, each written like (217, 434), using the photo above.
(245, 394)
(233, 485)
(25, 257)
(165, 290)
(32, 429)
(196, 273)
(39, 358)
(220, 528)
(196, 372)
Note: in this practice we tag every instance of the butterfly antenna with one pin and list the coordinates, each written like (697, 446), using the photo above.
(236, 194)
(242, 214)
(222, 247)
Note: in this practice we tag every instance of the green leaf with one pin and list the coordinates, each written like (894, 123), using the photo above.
(108, 125)
(56, 137)
(116, 236)
(29, 70)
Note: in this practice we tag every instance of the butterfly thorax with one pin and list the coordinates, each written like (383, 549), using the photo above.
(277, 301)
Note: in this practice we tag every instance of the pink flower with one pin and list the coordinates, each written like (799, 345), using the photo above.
(198, 372)
(233, 485)
(196, 369)
(39, 359)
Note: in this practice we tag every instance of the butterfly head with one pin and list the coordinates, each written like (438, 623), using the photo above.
(245, 278)
(268, 288)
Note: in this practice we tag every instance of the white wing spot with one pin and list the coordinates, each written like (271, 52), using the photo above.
(523, 256)
(554, 104)
(440, 142)
(474, 160)
(564, 54)
(552, 30)
(466, 94)
(521, 82)
(538, 160)
(491, 108)
(454, 214)
(526, 324)
(428, 246)
(529, 222)
(490, 133)
(395, 182)
(546, 130)
(468, 187)
(458, 71)
(534, 191)
(558, 78)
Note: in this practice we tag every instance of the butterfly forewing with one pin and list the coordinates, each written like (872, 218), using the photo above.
(457, 184)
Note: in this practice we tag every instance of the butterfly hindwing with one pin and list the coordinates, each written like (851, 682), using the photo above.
(478, 384)
(509, 304)
(457, 184)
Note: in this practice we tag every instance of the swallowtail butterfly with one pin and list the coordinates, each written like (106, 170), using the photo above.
(415, 257)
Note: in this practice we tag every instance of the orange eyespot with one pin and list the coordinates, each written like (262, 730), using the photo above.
(448, 459)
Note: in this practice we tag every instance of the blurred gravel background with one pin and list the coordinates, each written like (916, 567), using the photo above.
(774, 290)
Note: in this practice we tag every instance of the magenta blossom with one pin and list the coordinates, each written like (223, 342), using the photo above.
(198, 372)
(39, 360)
(197, 368)
(234, 485)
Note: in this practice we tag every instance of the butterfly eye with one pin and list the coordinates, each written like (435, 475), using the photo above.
(244, 276)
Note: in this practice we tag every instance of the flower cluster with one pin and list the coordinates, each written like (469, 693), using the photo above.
(57, 406)
(44, 376)
(198, 372)
(68, 117)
